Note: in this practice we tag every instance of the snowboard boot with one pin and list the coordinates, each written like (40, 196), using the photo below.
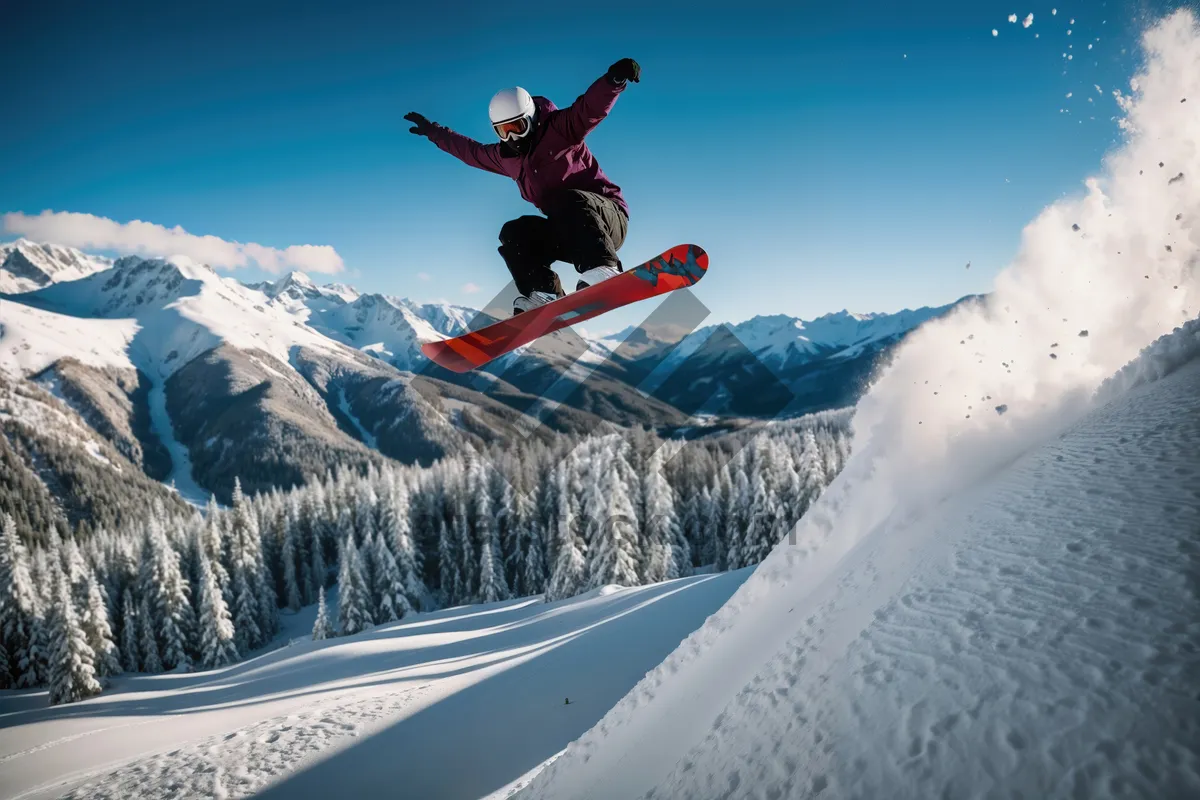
(535, 299)
(595, 275)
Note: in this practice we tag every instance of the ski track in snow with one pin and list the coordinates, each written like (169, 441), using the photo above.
(241, 762)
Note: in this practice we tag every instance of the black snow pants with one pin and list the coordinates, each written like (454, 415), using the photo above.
(584, 229)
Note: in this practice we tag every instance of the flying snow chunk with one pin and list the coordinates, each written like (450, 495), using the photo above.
(1012, 17)
(1069, 94)
(995, 32)
(1054, 12)
(1027, 21)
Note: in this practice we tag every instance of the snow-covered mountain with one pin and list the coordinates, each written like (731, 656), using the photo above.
(25, 265)
(234, 377)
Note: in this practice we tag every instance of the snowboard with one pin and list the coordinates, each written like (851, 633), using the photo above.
(677, 268)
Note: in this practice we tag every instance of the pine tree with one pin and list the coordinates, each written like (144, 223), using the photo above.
(449, 578)
(245, 571)
(171, 620)
(738, 520)
(354, 609)
(811, 474)
(321, 628)
(98, 629)
(7, 681)
(129, 633)
(570, 564)
(213, 544)
(396, 530)
(18, 603)
(217, 647)
(492, 587)
(667, 557)
(612, 557)
(389, 587)
(532, 577)
(316, 545)
(72, 664)
(291, 580)
(35, 666)
(151, 660)
(468, 567)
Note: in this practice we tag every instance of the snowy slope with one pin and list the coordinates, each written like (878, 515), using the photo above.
(26, 265)
(998, 595)
(1036, 634)
(382, 714)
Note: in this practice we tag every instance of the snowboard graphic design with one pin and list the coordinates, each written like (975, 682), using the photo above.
(677, 268)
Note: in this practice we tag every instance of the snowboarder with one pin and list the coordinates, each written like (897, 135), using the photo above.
(542, 148)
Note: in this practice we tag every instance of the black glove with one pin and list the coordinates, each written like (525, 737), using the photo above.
(625, 70)
(421, 126)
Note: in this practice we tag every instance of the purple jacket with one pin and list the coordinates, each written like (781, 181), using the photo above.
(559, 158)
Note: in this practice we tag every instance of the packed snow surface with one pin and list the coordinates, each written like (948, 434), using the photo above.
(982, 604)
(391, 712)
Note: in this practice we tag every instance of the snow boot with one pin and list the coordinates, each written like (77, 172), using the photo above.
(535, 299)
(595, 275)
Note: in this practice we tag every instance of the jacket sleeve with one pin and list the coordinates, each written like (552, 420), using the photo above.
(467, 150)
(591, 107)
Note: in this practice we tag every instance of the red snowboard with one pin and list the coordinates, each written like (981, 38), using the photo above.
(677, 268)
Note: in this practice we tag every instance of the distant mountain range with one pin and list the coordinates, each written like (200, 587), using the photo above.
(196, 379)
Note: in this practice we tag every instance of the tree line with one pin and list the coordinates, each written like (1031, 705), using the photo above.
(199, 590)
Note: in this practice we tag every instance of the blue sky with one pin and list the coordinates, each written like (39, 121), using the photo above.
(827, 155)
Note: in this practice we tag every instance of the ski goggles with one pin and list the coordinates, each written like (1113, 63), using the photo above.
(512, 129)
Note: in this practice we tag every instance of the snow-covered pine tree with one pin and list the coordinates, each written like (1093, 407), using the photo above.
(738, 518)
(291, 578)
(810, 470)
(130, 649)
(172, 619)
(321, 628)
(448, 575)
(570, 563)
(492, 586)
(396, 529)
(613, 554)
(392, 601)
(468, 568)
(151, 660)
(667, 556)
(72, 662)
(244, 574)
(18, 603)
(217, 647)
(354, 602)
(213, 544)
(98, 628)
(7, 681)
(35, 666)
(316, 545)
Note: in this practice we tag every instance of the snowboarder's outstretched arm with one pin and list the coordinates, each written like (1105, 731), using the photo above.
(593, 106)
(465, 149)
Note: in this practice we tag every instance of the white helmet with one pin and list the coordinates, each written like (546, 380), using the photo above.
(511, 111)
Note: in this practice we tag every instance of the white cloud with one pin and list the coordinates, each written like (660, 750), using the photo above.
(470, 288)
(424, 276)
(147, 238)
